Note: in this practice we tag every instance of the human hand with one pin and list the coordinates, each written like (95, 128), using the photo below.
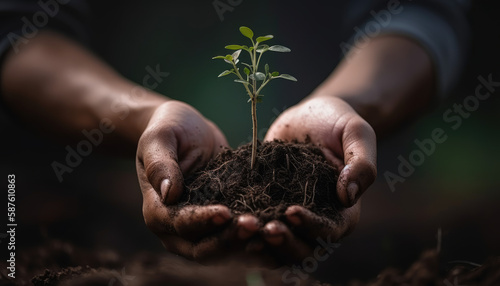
(177, 141)
(349, 143)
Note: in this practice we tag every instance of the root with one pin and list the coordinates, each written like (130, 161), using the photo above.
(305, 194)
(285, 174)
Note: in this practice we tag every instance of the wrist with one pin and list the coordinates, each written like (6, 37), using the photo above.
(131, 109)
(62, 89)
(365, 102)
(388, 81)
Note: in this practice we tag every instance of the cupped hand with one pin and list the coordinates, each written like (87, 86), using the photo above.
(349, 143)
(177, 141)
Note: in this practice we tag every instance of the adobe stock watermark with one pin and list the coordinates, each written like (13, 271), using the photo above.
(454, 117)
(40, 19)
(372, 28)
(310, 264)
(93, 138)
(223, 6)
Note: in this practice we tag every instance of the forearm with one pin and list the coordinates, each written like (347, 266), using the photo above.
(390, 80)
(58, 87)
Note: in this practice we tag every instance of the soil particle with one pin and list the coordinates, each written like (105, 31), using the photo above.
(285, 174)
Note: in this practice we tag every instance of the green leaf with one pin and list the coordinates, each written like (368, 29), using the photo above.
(247, 32)
(236, 54)
(228, 59)
(247, 71)
(275, 74)
(287, 77)
(259, 99)
(264, 38)
(234, 47)
(241, 81)
(280, 49)
(258, 76)
(262, 48)
(218, 57)
(226, 72)
(266, 68)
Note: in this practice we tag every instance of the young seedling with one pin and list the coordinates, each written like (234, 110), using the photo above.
(252, 79)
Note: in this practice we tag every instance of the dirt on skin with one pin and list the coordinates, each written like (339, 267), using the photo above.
(285, 174)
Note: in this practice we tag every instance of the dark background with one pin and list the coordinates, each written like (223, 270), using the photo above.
(98, 205)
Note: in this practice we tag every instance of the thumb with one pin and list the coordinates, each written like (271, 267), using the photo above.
(158, 154)
(360, 158)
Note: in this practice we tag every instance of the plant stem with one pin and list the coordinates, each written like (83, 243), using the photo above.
(240, 77)
(253, 98)
(262, 86)
(258, 61)
(254, 107)
(254, 127)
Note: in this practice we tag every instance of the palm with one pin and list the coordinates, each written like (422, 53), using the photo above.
(348, 142)
(177, 141)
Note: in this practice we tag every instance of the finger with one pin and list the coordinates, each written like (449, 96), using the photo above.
(194, 160)
(310, 226)
(158, 154)
(220, 245)
(230, 243)
(220, 140)
(330, 156)
(360, 155)
(214, 245)
(156, 215)
(195, 222)
(284, 243)
(248, 225)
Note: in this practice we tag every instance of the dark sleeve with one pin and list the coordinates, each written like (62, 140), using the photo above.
(440, 27)
(21, 20)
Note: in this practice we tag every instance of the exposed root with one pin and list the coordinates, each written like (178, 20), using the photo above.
(283, 175)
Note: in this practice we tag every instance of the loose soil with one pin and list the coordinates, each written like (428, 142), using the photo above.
(285, 174)
(160, 269)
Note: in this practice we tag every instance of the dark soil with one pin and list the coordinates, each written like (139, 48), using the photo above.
(161, 269)
(429, 270)
(285, 174)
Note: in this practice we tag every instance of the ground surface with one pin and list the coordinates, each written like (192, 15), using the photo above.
(59, 263)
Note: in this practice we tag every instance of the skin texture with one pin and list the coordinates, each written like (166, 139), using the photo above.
(389, 81)
(178, 140)
(58, 87)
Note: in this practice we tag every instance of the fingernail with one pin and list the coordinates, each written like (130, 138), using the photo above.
(352, 192)
(273, 229)
(295, 219)
(274, 234)
(165, 189)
